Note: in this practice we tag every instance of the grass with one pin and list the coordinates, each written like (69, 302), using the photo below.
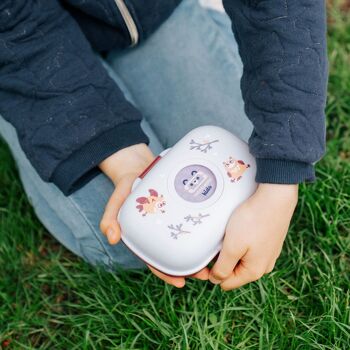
(49, 299)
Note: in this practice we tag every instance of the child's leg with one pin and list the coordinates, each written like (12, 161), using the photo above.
(186, 74)
(74, 220)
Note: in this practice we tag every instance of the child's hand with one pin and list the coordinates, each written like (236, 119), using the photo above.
(123, 167)
(254, 236)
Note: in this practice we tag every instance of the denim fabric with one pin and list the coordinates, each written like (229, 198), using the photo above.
(191, 69)
(192, 64)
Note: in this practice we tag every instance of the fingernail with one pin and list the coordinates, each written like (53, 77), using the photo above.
(214, 280)
(180, 284)
(111, 235)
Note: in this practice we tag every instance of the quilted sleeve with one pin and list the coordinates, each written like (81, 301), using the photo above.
(104, 26)
(68, 113)
(283, 48)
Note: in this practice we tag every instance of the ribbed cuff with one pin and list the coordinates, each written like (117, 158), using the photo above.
(82, 166)
(278, 171)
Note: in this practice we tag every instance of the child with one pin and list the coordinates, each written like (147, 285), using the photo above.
(75, 132)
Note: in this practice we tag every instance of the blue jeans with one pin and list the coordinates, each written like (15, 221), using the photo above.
(185, 75)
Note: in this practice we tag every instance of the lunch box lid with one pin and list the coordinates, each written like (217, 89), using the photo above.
(175, 217)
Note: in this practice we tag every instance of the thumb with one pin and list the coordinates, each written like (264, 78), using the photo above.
(230, 254)
(109, 224)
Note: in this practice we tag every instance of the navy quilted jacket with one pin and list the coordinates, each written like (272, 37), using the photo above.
(69, 115)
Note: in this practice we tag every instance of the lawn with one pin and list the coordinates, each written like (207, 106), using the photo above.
(49, 299)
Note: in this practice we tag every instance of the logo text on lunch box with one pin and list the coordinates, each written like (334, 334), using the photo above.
(195, 183)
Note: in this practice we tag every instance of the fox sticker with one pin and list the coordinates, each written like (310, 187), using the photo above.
(152, 204)
(235, 168)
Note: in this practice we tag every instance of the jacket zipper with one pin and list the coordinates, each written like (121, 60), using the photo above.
(129, 21)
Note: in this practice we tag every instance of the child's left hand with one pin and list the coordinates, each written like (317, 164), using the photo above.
(123, 167)
(254, 236)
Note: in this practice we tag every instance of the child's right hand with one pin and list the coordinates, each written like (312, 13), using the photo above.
(123, 167)
(254, 235)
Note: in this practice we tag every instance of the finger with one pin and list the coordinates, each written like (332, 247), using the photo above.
(178, 282)
(241, 276)
(227, 260)
(109, 224)
(270, 267)
(118, 197)
(202, 274)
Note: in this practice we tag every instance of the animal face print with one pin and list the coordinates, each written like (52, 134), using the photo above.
(152, 204)
(235, 168)
(195, 183)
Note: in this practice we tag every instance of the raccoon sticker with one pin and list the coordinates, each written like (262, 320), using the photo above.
(195, 183)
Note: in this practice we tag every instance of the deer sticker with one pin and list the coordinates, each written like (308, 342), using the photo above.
(235, 168)
(152, 204)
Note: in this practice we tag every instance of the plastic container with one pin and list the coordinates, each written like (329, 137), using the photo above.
(176, 215)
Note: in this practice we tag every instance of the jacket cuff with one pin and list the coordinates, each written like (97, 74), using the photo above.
(82, 166)
(277, 171)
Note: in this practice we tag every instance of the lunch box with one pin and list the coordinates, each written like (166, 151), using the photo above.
(175, 217)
